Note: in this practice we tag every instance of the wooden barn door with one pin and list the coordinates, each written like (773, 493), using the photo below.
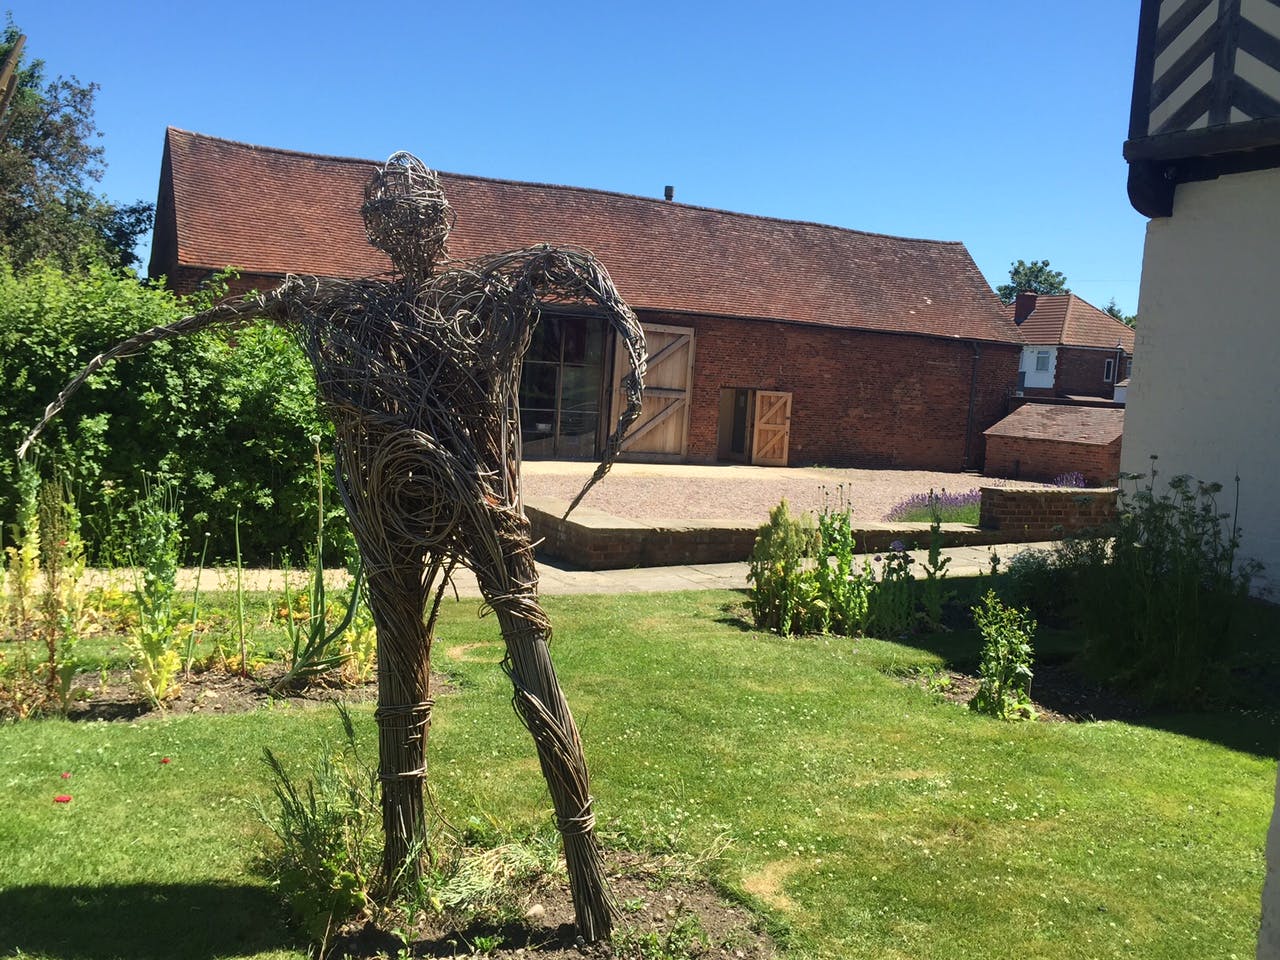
(772, 432)
(662, 432)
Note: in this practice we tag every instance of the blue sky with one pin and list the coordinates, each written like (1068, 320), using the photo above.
(998, 123)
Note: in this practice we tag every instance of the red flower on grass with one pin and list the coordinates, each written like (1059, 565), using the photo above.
(66, 774)
(62, 798)
(164, 760)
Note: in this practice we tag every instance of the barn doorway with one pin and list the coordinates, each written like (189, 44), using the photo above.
(661, 432)
(733, 442)
(754, 426)
(562, 388)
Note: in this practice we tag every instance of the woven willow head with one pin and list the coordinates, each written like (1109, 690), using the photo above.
(406, 215)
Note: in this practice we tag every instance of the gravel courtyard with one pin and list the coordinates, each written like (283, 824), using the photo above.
(642, 491)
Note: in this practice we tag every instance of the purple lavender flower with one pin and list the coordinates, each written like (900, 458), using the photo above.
(897, 546)
(1073, 479)
(919, 505)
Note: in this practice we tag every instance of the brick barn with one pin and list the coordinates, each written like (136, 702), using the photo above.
(1043, 441)
(771, 341)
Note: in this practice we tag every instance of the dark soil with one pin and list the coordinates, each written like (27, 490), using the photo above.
(665, 913)
(1059, 694)
(215, 691)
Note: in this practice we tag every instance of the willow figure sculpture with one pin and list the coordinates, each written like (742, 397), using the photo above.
(419, 371)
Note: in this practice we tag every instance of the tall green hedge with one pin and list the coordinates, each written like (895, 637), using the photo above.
(228, 415)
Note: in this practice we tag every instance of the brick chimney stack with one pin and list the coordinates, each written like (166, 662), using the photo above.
(1023, 306)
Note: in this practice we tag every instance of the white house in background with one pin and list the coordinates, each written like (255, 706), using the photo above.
(1204, 163)
(1072, 350)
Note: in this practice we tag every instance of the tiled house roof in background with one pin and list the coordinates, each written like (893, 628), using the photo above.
(270, 211)
(1068, 321)
(1071, 424)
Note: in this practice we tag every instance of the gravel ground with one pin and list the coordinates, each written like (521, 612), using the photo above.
(737, 493)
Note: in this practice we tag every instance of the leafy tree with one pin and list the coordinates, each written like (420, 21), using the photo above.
(49, 159)
(1113, 309)
(1033, 277)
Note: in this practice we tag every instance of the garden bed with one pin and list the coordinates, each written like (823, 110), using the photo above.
(664, 912)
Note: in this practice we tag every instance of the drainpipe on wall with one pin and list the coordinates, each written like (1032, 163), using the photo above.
(973, 393)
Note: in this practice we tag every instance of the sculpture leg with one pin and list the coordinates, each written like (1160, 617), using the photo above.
(511, 590)
(398, 601)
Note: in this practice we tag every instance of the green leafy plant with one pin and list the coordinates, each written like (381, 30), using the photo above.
(891, 608)
(314, 648)
(327, 834)
(190, 656)
(22, 555)
(38, 668)
(63, 601)
(360, 646)
(784, 596)
(844, 591)
(156, 546)
(1158, 602)
(932, 593)
(1004, 688)
(684, 940)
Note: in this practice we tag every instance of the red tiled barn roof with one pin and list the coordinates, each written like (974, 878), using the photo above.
(270, 211)
(1049, 421)
(1066, 320)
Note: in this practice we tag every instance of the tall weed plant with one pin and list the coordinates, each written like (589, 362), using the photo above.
(156, 550)
(844, 589)
(1005, 673)
(22, 554)
(784, 595)
(45, 609)
(63, 603)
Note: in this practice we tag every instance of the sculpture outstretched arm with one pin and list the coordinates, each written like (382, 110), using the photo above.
(230, 314)
(546, 274)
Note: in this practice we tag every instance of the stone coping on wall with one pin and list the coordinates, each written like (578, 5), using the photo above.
(594, 540)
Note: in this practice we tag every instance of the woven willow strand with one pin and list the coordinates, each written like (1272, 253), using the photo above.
(419, 372)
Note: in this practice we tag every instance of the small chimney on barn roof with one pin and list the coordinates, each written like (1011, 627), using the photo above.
(669, 192)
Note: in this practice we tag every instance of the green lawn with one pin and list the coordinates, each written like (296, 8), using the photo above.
(872, 820)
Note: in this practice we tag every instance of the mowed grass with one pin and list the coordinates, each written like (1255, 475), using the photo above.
(866, 817)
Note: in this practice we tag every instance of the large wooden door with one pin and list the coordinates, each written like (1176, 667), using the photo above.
(772, 433)
(662, 432)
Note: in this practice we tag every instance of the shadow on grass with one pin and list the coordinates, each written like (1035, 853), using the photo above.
(146, 921)
(1243, 713)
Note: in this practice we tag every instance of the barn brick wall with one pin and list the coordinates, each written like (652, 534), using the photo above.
(859, 398)
(1080, 370)
(190, 279)
(1036, 458)
(1030, 514)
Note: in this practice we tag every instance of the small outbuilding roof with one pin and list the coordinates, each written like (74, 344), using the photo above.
(1097, 426)
(270, 212)
(1066, 320)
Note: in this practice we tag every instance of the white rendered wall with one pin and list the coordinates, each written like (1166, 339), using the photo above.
(1038, 379)
(1205, 391)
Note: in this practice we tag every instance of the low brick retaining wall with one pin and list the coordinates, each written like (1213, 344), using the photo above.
(1027, 515)
(594, 540)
